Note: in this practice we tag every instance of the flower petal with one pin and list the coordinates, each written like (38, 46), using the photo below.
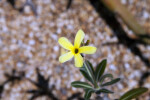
(87, 49)
(65, 57)
(78, 60)
(65, 43)
(78, 39)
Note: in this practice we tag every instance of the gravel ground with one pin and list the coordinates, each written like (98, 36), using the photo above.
(28, 42)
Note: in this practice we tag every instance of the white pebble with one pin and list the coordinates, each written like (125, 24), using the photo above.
(124, 1)
(131, 76)
(113, 67)
(31, 35)
(13, 47)
(58, 83)
(44, 46)
(70, 27)
(147, 85)
(20, 43)
(59, 30)
(13, 40)
(91, 19)
(4, 28)
(19, 64)
(1, 42)
(132, 84)
(137, 73)
(145, 14)
(56, 48)
(54, 37)
(148, 47)
(27, 9)
(127, 66)
(31, 42)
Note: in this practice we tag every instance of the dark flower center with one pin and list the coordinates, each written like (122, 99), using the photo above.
(76, 51)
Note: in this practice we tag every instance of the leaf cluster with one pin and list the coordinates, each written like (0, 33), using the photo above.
(96, 79)
(97, 82)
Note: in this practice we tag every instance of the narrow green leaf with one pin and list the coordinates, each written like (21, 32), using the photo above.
(85, 74)
(89, 68)
(88, 94)
(111, 82)
(103, 91)
(89, 65)
(100, 68)
(79, 84)
(134, 93)
(105, 76)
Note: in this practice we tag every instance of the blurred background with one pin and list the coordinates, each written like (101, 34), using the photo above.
(29, 49)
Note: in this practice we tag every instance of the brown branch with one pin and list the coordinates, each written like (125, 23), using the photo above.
(127, 17)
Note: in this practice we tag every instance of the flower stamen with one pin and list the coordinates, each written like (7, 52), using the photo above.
(76, 50)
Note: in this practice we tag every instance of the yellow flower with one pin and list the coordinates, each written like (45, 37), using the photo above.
(75, 50)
